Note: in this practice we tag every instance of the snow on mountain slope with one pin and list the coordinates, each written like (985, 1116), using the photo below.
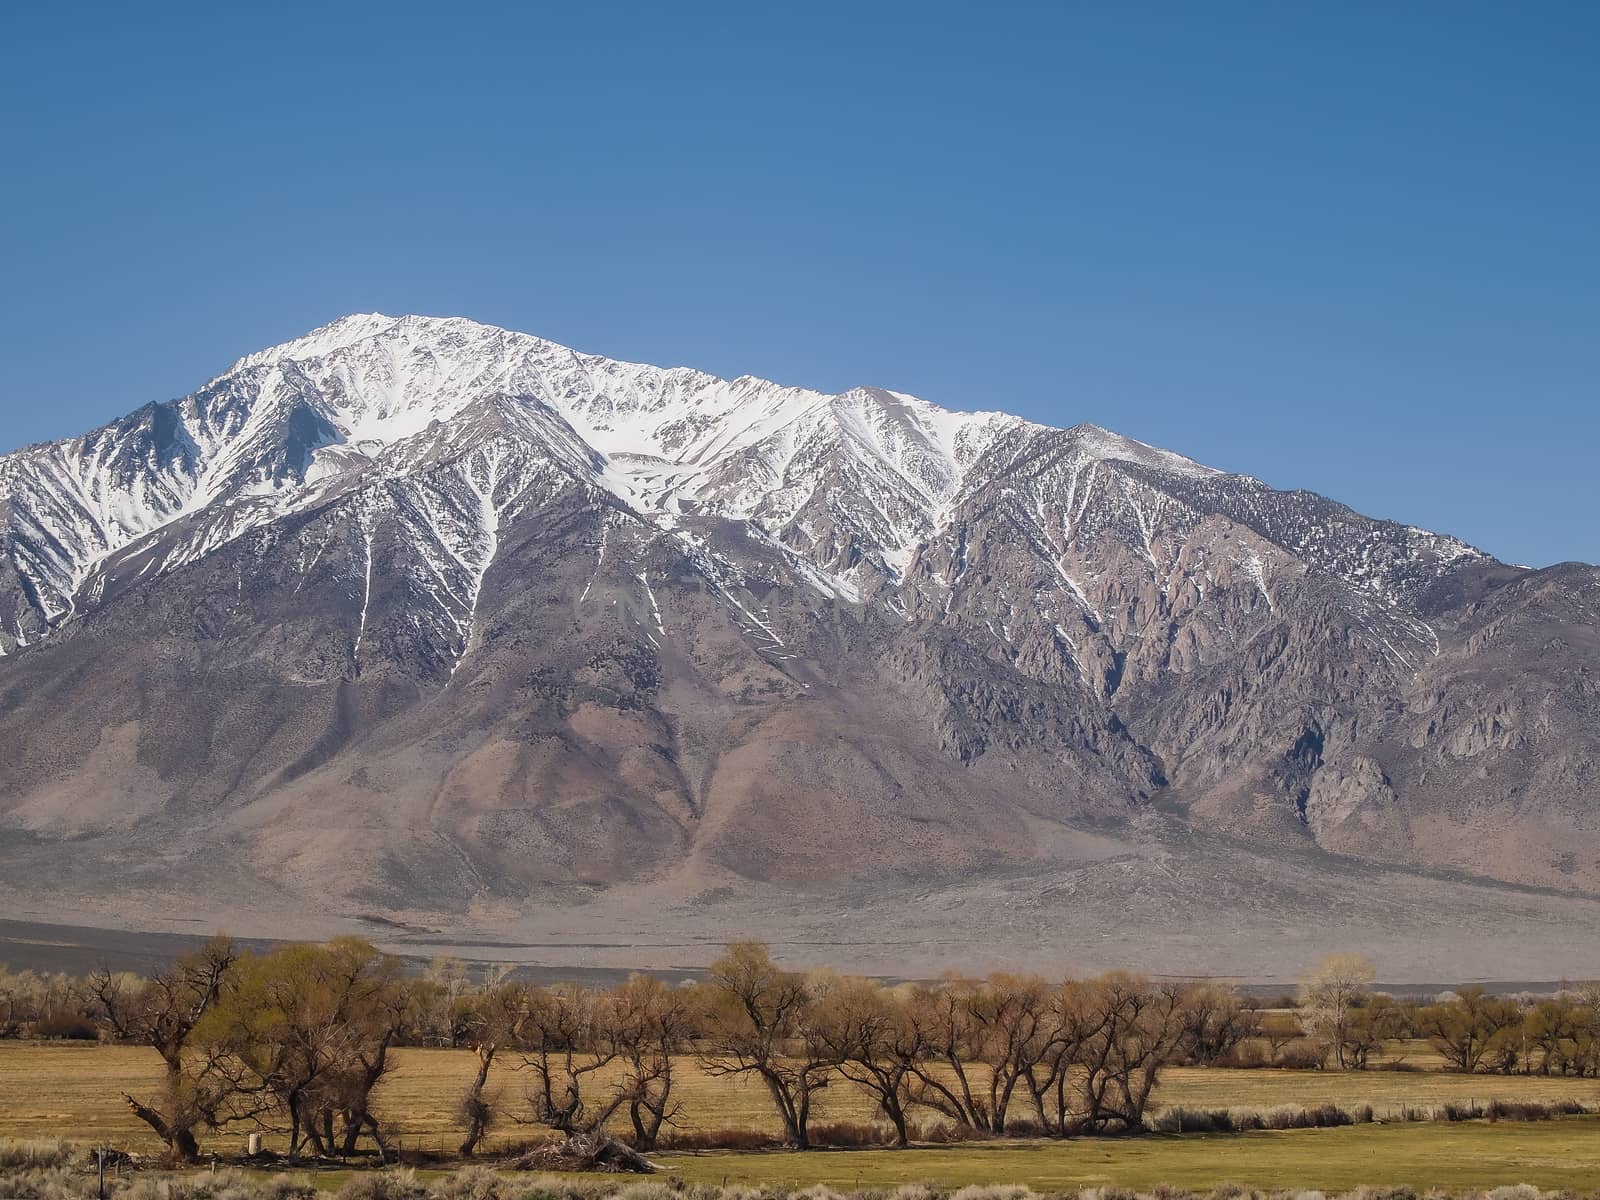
(445, 614)
(855, 485)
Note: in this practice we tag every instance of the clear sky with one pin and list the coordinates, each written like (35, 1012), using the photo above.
(1343, 246)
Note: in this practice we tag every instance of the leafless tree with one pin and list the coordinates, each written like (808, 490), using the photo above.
(492, 1019)
(1328, 995)
(651, 1026)
(565, 1038)
(867, 1029)
(162, 1012)
(761, 1023)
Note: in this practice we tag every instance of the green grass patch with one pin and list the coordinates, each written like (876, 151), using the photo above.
(1561, 1154)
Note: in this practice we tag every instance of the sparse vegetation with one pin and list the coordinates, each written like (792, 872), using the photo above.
(335, 1054)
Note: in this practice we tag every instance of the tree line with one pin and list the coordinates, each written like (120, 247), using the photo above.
(297, 1039)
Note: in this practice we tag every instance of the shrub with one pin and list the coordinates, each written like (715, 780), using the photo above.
(943, 1133)
(221, 1185)
(67, 1027)
(288, 1187)
(1532, 1110)
(475, 1183)
(35, 1152)
(1303, 1054)
(42, 1183)
(1516, 1191)
(851, 1135)
(1193, 1120)
(556, 1187)
(992, 1191)
(384, 1185)
(727, 1138)
(1323, 1116)
(1248, 1055)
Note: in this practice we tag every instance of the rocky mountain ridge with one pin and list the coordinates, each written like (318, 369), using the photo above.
(429, 617)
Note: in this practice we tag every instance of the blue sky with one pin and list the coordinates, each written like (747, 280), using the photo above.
(1349, 247)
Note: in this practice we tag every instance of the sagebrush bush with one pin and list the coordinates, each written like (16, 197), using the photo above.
(204, 1185)
(481, 1183)
(36, 1152)
(288, 1187)
(475, 1183)
(384, 1185)
(1516, 1191)
(41, 1183)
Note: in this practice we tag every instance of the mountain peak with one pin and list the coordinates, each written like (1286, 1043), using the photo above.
(336, 334)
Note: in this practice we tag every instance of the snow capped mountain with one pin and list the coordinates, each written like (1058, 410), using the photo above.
(855, 483)
(425, 615)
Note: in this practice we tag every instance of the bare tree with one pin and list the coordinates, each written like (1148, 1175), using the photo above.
(651, 1026)
(761, 1023)
(1278, 1029)
(1216, 1022)
(1368, 1027)
(565, 1036)
(1123, 1032)
(1329, 993)
(21, 1001)
(491, 1019)
(948, 1037)
(876, 1044)
(162, 1012)
(1014, 1037)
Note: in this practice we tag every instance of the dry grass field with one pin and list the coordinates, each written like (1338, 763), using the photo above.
(75, 1090)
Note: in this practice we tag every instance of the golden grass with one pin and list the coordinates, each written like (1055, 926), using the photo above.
(75, 1090)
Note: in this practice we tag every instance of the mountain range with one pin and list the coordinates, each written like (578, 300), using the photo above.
(455, 633)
